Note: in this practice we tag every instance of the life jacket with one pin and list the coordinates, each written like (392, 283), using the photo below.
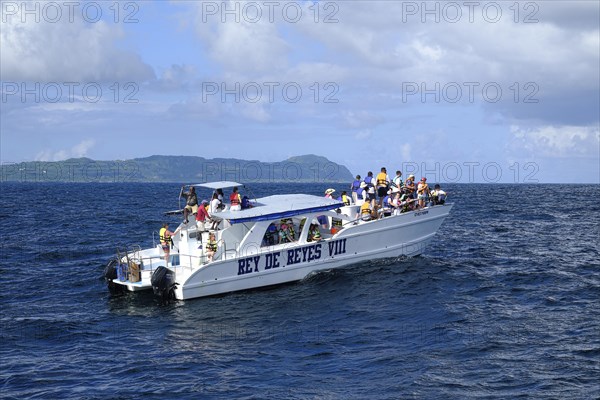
(164, 239)
(355, 185)
(368, 181)
(316, 234)
(211, 245)
(234, 199)
(336, 222)
(345, 199)
(365, 208)
(398, 181)
(359, 192)
(386, 200)
(381, 179)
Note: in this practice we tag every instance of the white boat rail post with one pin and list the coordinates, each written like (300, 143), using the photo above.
(224, 252)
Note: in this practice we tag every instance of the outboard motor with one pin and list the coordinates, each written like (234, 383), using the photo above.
(110, 274)
(163, 284)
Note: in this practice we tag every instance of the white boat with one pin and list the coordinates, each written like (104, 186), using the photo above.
(245, 259)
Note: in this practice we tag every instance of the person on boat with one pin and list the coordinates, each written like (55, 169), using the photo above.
(202, 218)
(361, 194)
(406, 203)
(386, 205)
(314, 234)
(213, 209)
(271, 235)
(191, 203)
(397, 182)
(382, 183)
(395, 202)
(285, 236)
(344, 198)
(365, 211)
(246, 203)
(410, 185)
(166, 241)
(290, 226)
(422, 192)
(329, 193)
(211, 246)
(370, 187)
(438, 196)
(354, 189)
(220, 196)
(336, 223)
(236, 200)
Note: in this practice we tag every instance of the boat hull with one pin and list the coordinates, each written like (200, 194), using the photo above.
(406, 234)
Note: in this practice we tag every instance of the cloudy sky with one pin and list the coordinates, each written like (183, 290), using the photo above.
(460, 91)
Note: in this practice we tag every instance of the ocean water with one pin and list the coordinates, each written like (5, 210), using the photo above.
(505, 303)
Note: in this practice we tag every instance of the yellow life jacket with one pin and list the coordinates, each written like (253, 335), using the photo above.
(365, 208)
(346, 199)
(211, 245)
(164, 238)
(381, 179)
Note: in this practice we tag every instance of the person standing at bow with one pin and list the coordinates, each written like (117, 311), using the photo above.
(354, 188)
(382, 183)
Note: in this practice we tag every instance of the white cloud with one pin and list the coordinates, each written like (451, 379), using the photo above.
(361, 119)
(66, 51)
(558, 141)
(81, 149)
(241, 47)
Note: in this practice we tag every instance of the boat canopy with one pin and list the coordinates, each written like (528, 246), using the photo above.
(280, 206)
(218, 184)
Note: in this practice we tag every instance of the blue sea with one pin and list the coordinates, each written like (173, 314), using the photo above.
(504, 303)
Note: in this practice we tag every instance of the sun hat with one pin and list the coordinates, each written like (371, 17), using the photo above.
(411, 176)
(329, 191)
(423, 179)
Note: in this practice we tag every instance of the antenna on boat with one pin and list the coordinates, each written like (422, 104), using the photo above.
(250, 191)
(179, 200)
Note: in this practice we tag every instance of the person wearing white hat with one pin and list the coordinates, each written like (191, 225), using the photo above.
(361, 194)
(329, 192)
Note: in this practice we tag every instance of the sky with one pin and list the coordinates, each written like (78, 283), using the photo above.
(480, 91)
